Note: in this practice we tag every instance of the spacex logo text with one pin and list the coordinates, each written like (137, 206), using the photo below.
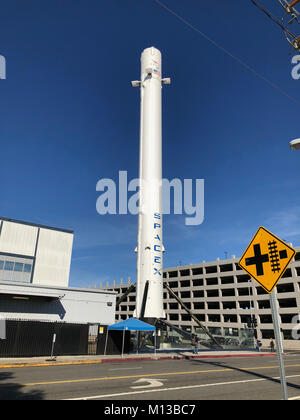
(185, 200)
(2, 67)
(158, 246)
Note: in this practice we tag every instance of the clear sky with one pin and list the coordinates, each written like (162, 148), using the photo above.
(69, 117)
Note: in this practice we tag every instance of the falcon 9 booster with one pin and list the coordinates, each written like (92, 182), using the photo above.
(149, 282)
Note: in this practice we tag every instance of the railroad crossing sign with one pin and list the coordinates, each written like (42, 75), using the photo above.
(266, 259)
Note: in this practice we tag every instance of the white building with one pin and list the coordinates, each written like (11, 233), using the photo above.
(34, 278)
(34, 254)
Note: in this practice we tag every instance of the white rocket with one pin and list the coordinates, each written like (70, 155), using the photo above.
(149, 284)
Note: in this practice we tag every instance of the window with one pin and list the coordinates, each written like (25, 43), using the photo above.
(197, 283)
(184, 272)
(267, 334)
(245, 304)
(230, 318)
(266, 319)
(287, 273)
(214, 318)
(226, 267)
(245, 319)
(27, 268)
(1, 265)
(197, 271)
(264, 304)
(287, 335)
(243, 278)
(288, 318)
(199, 305)
(185, 295)
(18, 267)
(198, 294)
(287, 303)
(285, 288)
(261, 291)
(212, 282)
(9, 266)
(185, 283)
(244, 291)
(211, 269)
(212, 293)
(228, 292)
(229, 305)
(227, 280)
(173, 274)
(213, 305)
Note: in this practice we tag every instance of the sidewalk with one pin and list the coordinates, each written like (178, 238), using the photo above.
(91, 359)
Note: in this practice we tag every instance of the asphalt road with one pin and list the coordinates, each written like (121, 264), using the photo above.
(255, 378)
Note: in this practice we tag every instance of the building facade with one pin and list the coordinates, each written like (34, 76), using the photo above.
(34, 254)
(223, 297)
(34, 278)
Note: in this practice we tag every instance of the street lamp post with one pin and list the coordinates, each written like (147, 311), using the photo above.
(295, 144)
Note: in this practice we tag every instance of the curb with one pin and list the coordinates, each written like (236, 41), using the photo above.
(40, 364)
(232, 355)
(130, 359)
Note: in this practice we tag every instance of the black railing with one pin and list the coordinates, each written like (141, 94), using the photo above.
(37, 338)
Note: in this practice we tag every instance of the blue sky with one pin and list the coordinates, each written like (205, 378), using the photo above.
(69, 117)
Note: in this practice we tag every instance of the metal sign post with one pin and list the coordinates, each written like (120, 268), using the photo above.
(52, 348)
(279, 349)
(266, 260)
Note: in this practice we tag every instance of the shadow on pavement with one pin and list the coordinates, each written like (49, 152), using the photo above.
(14, 391)
(242, 370)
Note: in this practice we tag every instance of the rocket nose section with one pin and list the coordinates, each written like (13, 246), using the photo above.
(151, 63)
(151, 50)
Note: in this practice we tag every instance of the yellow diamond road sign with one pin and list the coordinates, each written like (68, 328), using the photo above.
(266, 259)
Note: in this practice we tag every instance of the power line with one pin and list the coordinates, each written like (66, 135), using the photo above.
(273, 18)
(234, 57)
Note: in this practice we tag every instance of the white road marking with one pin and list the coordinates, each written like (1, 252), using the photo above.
(176, 388)
(152, 383)
(126, 368)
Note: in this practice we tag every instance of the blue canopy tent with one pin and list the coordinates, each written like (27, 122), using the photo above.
(130, 324)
